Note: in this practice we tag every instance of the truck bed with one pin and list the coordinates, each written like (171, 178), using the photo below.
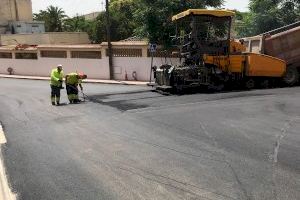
(284, 44)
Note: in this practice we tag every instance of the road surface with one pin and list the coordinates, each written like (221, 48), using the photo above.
(131, 143)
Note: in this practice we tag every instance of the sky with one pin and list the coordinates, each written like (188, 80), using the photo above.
(73, 7)
(241, 5)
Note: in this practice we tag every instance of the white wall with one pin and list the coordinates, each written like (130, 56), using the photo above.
(141, 65)
(94, 68)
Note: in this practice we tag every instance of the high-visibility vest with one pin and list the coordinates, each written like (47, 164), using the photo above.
(56, 77)
(72, 79)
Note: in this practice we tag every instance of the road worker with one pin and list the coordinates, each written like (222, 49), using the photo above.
(56, 84)
(72, 82)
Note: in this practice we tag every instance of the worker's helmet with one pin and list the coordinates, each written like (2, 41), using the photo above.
(82, 75)
(59, 66)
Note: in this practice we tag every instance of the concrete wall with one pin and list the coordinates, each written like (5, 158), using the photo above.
(124, 61)
(15, 10)
(42, 67)
(94, 68)
(68, 38)
(24, 10)
(142, 67)
(20, 27)
(3, 29)
(5, 12)
(45, 38)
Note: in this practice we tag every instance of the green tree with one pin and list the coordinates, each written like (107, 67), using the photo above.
(122, 21)
(92, 31)
(80, 24)
(99, 31)
(154, 16)
(76, 24)
(53, 18)
(266, 15)
(243, 24)
(122, 17)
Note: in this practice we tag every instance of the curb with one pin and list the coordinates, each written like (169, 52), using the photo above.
(5, 191)
(85, 81)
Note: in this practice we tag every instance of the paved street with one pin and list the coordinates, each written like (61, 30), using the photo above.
(130, 143)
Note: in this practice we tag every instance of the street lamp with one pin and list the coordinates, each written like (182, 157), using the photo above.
(110, 55)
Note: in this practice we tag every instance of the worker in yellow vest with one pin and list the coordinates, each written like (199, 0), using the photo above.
(57, 75)
(73, 80)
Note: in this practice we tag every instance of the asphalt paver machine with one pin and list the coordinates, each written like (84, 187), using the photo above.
(210, 57)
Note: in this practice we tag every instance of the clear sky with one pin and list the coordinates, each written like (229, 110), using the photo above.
(73, 7)
(241, 5)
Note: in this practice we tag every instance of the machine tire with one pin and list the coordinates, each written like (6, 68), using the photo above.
(265, 84)
(291, 76)
(250, 84)
(179, 89)
(220, 87)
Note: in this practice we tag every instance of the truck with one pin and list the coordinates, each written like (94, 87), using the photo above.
(209, 56)
(283, 43)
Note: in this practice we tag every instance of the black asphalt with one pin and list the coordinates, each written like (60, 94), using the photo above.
(127, 142)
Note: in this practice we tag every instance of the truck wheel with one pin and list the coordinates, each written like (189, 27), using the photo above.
(250, 84)
(291, 76)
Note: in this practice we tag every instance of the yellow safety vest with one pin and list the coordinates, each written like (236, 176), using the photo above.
(56, 77)
(72, 79)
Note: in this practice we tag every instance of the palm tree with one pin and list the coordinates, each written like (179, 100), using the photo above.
(53, 18)
(76, 24)
(56, 16)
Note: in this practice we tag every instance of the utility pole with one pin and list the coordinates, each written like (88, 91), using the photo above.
(110, 53)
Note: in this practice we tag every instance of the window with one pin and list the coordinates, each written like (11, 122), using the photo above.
(86, 54)
(54, 54)
(26, 56)
(5, 55)
(126, 52)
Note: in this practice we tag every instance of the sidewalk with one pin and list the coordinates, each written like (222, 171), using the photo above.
(141, 83)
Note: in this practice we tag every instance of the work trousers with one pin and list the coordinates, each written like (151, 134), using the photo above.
(72, 92)
(55, 94)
